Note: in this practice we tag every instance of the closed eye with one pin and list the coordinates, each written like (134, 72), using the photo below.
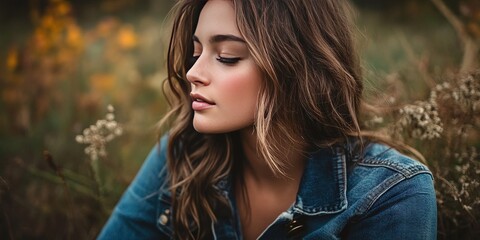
(228, 60)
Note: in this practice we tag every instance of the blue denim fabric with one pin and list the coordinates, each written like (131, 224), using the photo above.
(380, 194)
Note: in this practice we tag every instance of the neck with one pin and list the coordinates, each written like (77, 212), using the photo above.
(257, 169)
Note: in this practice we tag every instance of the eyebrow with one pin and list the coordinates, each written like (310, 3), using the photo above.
(221, 38)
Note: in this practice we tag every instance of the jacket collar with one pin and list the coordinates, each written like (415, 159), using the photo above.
(323, 186)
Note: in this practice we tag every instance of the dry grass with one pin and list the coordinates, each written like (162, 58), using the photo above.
(64, 73)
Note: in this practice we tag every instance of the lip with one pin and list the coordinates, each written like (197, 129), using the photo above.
(200, 102)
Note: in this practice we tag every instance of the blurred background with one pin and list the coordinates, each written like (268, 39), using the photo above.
(63, 62)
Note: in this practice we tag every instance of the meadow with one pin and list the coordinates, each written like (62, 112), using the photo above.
(81, 93)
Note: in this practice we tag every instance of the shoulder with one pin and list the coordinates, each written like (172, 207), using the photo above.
(380, 155)
(154, 166)
(382, 173)
(390, 196)
(152, 174)
(137, 214)
(159, 150)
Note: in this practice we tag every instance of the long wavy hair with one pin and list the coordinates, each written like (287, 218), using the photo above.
(310, 97)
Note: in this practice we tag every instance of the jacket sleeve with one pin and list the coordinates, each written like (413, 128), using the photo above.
(135, 215)
(406, 211)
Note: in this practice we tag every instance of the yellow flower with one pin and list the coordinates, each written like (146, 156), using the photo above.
(63, 8)
(40, 41)
(74, 36)
(126, 37)
(102, 82)
(12, 59)
(48, 22)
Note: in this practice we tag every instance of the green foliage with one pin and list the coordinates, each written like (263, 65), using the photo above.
(58, 75)
(58, 81)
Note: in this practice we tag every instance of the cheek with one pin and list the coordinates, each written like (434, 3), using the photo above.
(236, 95)
(242, 87)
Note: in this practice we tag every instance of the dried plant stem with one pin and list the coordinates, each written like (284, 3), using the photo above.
(58, 171)
(457, 197)
(471, 48)
(451, 17)
(470, 55)
(9, 225)
(7, 219)
(96, 175)
(97, 136)
(54, 178)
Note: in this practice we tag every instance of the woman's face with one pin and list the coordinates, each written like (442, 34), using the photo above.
(225, 80)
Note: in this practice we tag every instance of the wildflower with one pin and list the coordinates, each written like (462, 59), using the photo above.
(465, 94)
(422, 119)
(98, 135)
(12, 59)
(127, 38)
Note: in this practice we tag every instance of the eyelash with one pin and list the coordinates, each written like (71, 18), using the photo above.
(224, 60)
(229, 61)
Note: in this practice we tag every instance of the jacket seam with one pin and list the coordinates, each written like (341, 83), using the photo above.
(407, 171)
(374, 195)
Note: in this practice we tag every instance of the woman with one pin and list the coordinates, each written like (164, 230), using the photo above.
(264, 139)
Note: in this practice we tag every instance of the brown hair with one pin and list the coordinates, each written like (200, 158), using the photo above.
(310, 97)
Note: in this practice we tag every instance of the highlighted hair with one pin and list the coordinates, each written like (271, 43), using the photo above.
(310, 97)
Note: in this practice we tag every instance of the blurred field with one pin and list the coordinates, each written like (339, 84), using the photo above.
(62, 62)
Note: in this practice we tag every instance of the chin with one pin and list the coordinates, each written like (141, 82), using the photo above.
(206, 128)
(211, 130)
(215, 128)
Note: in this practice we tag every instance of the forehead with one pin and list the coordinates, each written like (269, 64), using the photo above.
(217, 17)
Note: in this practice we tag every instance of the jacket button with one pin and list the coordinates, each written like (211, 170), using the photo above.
(163, 219)
(295, 228)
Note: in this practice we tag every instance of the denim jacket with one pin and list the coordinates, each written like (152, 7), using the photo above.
(380, 194)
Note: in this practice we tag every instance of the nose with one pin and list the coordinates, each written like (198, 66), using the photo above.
(197, 74)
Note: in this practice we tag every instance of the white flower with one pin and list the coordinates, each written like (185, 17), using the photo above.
(422, 118)
(79, 138)
(110, 117)
(96, 136)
